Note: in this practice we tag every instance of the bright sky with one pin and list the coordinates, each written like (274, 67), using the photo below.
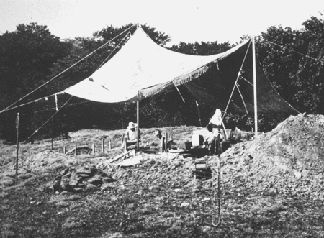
(182, 20)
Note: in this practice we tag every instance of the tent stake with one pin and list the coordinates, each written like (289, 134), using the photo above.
(255, 89)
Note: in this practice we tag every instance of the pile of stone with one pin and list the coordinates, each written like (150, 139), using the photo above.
(81, 179)
(288, 160)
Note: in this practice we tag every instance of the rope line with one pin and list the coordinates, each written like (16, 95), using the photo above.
(238, 88)
(56, 76)
(27, 103)
(238, 76)
(247, 81)
(103, 62)
(179, 93)
(48, 119)
(72, 104)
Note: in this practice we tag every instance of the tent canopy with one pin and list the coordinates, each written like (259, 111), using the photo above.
(143, 68)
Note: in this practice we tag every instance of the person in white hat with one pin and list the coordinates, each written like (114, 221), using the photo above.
(214, 127)
(131, 132)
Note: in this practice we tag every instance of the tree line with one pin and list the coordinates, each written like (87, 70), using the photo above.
(30, 56)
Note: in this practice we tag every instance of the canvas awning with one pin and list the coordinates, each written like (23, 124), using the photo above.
(142, 67)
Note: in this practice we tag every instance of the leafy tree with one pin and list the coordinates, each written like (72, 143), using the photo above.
(310, 75)
(203, 48)
(26, 56)
(293, 61)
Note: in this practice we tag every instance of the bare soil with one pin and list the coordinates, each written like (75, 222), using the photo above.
(272, 186)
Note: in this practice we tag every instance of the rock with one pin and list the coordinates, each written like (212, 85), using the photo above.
(24, 176)
(140, 192)
(112, 235)
(108, 180)
(64, 171)
(78, 190)
(90, 188)
(276, 208)
(61, 204)
(71, 198)
(108, 187)
(65, 193)
(95, 180)
(74, 179)
(86, 171)
(122, 187)
(75, 206)
(205, 229)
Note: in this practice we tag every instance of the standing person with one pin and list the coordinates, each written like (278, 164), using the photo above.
(216, 130)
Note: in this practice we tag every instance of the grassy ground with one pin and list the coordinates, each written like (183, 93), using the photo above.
(156, 199)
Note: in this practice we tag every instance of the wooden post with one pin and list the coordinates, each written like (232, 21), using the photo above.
(166, 141)
(125, 143)
(255, 89)
(109, 144)
(53, 131)
(102, 145)
(64, 150)
(17, 126)
(93, 149)
(138, 121)
(162, 143)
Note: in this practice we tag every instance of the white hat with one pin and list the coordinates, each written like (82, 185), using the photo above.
(217, 118)
(132, 125)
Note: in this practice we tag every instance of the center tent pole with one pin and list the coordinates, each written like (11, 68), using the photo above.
(255, 89)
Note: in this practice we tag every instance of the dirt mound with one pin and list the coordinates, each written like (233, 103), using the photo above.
(289, 158)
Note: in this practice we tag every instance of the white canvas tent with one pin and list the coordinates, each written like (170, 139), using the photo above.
(142, 68)
(141, 63)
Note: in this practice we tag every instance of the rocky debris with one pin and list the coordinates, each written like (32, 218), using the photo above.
(80, 150)
(286, 161)
(81, 179)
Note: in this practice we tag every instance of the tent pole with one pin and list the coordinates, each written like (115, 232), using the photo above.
(255, 89)
(138, 125)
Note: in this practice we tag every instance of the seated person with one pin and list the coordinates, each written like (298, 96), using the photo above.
(170, 143)
(131, 134)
